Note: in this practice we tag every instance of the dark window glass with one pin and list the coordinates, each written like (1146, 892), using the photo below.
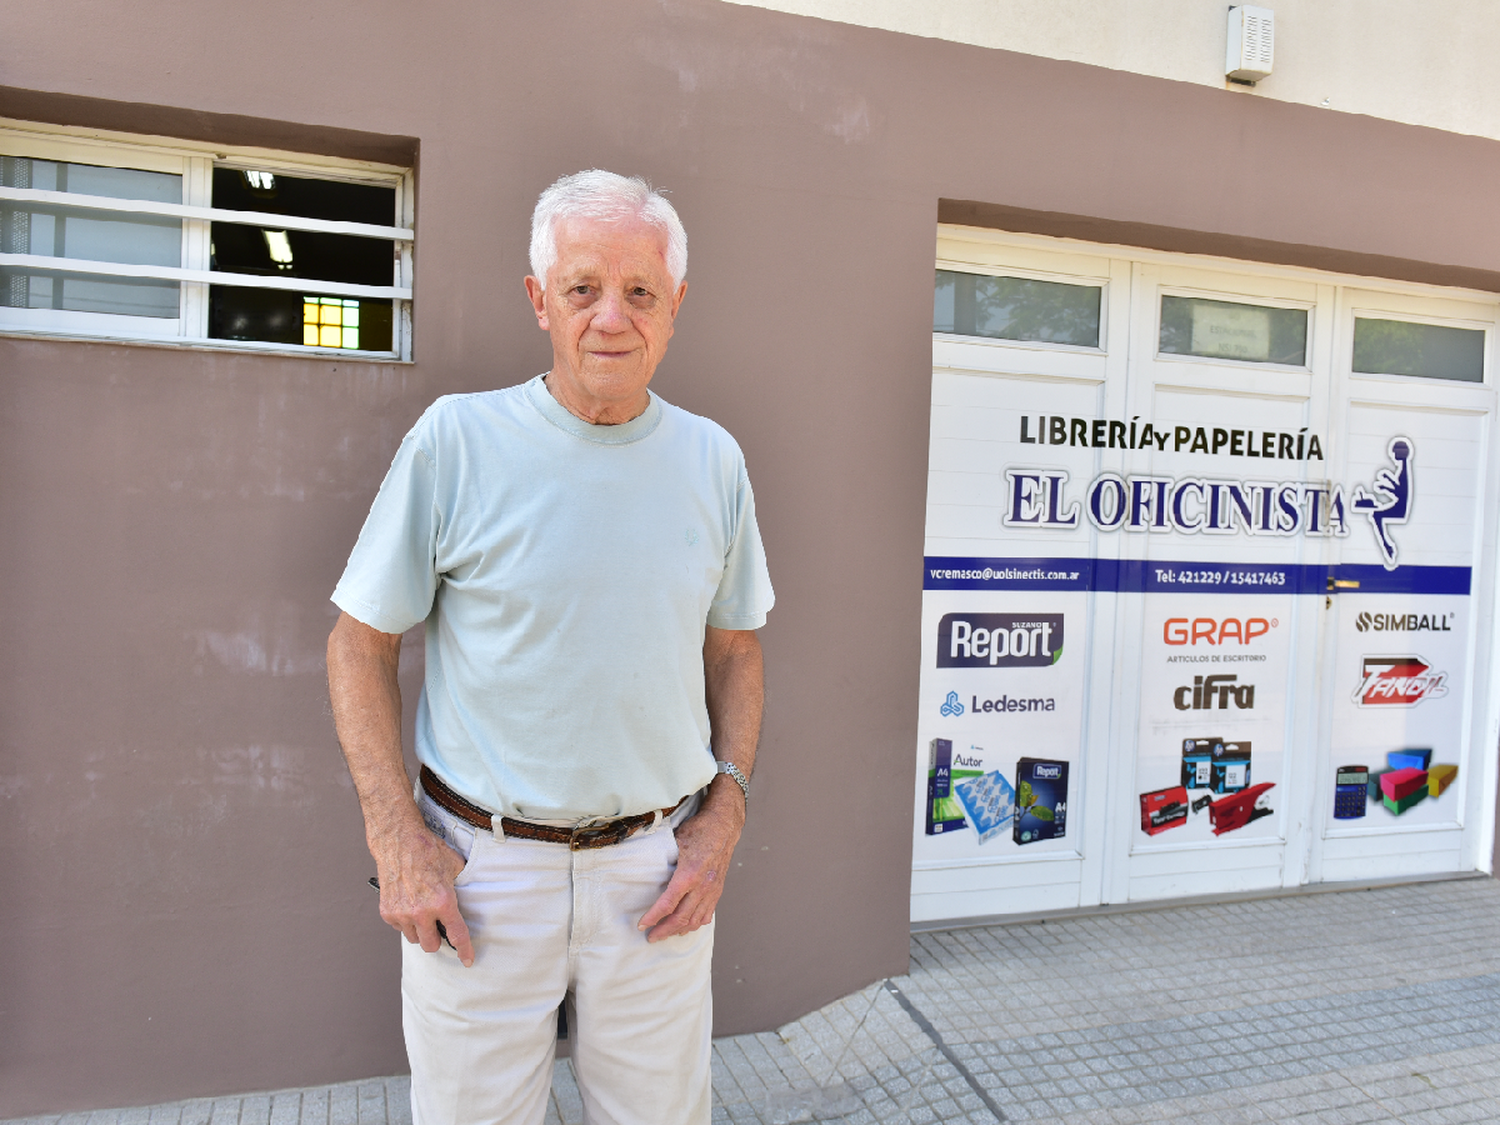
(1016, 308)
(279, 316)
(1429, 351)
(1230, 330)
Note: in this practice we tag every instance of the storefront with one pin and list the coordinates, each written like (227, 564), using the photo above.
(1209, 579)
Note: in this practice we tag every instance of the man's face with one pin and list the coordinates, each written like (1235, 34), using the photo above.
(609, 306)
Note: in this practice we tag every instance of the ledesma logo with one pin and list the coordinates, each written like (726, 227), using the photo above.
(1398, 681)
(1215, 630)
(952, 707)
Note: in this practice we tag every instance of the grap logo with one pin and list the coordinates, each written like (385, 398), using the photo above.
(999, 640)
(1216, 630)
(951, 708)
(1398, 681)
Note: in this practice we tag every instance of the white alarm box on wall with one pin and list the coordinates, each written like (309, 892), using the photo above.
(1252, 37)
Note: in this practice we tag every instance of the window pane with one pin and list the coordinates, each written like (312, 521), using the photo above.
(274, 316)
(1014, 308)
(1398, 347)
(99, 236)
(1229, 330)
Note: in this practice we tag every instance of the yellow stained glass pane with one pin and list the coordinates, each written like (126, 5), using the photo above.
(330, 336)
(310, 335)
(351, 315)
(330, 314)
(309, 312)
(351, 337)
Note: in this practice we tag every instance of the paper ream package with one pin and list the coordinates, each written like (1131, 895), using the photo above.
(1041, 800)
(990, 802)
(1439, 777)
(944, 814)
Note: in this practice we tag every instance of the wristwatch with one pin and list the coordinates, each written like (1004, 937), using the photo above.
(738, 774)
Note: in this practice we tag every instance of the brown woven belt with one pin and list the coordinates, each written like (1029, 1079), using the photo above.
(586, 836)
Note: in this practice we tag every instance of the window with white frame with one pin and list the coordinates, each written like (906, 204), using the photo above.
(107, 235)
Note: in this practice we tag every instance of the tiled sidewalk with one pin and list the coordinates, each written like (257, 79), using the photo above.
(1362, 1006)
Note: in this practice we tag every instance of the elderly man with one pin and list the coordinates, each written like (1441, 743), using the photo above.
(586, 561)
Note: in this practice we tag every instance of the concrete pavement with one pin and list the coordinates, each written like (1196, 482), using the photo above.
(1374, 1005)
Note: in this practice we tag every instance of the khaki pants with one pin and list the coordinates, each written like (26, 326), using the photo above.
(548, 922)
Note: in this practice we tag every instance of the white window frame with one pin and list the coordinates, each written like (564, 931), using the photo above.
(195, 163)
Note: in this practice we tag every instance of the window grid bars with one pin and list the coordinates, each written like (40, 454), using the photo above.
(195, 275)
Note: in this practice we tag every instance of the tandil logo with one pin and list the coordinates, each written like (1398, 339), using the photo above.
(1398, 681)
(951, 707)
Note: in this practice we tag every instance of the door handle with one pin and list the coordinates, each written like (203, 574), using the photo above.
(1336, 584)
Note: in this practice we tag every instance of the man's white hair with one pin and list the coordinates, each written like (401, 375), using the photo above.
(597, 194)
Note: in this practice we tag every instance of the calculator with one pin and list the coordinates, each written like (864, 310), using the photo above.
(1349, 792)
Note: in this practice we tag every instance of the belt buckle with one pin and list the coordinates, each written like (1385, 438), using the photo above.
(598, 835)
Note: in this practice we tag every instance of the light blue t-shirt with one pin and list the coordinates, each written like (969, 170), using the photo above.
(565, 572)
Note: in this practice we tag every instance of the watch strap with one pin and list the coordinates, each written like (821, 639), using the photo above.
(738, 774)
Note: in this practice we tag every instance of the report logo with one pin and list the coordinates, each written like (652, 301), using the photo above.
(1398, 681)
(999, 640)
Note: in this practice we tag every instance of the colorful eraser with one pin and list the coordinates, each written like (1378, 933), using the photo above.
(1398, 783)
(1439, 777)
(1400, 805)
(1415, 759)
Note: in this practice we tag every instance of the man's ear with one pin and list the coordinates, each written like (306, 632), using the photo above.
(538, 297)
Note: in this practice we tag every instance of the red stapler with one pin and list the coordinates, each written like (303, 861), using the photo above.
(1239, 809)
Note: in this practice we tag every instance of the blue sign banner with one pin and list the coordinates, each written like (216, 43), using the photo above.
(1150, 576)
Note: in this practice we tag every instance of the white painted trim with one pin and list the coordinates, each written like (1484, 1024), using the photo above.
(205, 277)
(1393, 287)
(210, 214)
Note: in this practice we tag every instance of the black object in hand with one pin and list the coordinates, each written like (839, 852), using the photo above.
(442, 931)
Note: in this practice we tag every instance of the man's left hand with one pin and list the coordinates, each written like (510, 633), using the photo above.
(705, 845)
(734, 689)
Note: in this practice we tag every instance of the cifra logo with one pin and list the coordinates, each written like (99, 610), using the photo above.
(1215, 631)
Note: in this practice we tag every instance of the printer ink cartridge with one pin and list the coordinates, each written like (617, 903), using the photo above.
(1230, 771)
(1197, 761)
(1163, 809)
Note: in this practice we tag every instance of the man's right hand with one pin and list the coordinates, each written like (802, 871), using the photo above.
(417, 871)
(416, 868)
